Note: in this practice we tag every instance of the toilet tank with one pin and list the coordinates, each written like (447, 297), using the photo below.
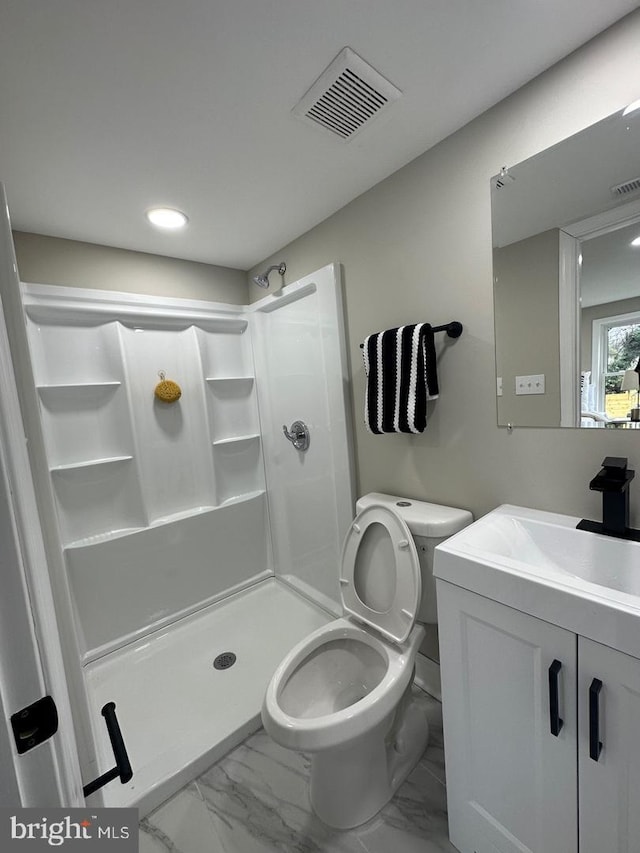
(430, 524)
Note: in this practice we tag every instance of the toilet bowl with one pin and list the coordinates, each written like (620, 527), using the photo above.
(343, 694)
(335, 685)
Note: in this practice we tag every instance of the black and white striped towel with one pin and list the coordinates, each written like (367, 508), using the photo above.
(400, 365)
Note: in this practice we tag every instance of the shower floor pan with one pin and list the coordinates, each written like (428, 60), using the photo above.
(178, 713)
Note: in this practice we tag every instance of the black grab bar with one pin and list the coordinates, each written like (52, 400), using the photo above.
(123, 766)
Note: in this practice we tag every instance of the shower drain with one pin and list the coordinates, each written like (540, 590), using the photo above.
(224, 661)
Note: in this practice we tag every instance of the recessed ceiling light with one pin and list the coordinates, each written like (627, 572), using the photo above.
(636, 242)
(635, 105)
(167, 217)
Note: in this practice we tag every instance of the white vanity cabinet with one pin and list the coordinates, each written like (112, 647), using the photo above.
(511, 783)
(609, 789)
(520, 776)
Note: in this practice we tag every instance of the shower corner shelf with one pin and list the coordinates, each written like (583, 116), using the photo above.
(230, 379)
(89, 463)
(77, 387)
(181, 514)
(201, 509)
(245, 496)
(98, 538)
(236, 439)
(108, 536)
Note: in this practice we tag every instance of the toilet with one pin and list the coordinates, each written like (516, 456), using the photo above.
(343, 694)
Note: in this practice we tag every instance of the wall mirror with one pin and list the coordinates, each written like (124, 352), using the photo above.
(566, 281)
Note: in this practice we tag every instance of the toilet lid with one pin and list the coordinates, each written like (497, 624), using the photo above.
(380, 581)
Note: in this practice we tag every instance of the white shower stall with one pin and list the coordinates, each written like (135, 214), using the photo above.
(177, 533)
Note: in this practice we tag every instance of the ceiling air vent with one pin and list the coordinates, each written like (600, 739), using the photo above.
(346, 96)
(626, 188)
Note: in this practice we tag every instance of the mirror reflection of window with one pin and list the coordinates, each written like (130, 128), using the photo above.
(620, 347)
(610, 322)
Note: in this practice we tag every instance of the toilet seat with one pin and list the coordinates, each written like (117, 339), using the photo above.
(389, 578)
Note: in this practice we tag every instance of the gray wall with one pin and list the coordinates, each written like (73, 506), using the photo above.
(525, 288)
(417, 247)
(51, 260)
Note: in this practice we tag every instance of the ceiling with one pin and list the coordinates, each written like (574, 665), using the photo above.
(569, 187)
(570, 181)
(610, 267)
(111, 107)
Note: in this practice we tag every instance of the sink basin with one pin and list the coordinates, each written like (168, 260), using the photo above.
(556, 546)
(537, 562)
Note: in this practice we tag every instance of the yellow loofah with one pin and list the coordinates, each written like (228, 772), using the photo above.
(167, 390)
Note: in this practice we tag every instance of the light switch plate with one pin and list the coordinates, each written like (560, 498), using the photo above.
(533, 384)
(499, 386)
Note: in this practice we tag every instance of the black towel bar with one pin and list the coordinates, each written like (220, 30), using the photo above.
(453, 330)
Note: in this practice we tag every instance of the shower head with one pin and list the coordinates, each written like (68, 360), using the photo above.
(262, 280)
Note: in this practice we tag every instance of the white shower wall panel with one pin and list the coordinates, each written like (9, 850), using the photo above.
(123, 588)
(237, 463)
(108, 494)
(84, 351)
(301, 370)
(232, 408)
(225, 354)
(161, 508)
(311, 543)
(174, 450)
(82, 422)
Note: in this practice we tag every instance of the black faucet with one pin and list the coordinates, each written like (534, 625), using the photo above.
(613, 481)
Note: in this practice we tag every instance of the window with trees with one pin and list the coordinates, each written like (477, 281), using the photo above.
(618, 350)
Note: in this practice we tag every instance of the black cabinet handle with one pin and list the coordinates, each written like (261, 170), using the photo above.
(595, 745)
(555, 723)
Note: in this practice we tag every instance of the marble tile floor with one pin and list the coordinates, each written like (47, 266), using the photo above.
(255, 800)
